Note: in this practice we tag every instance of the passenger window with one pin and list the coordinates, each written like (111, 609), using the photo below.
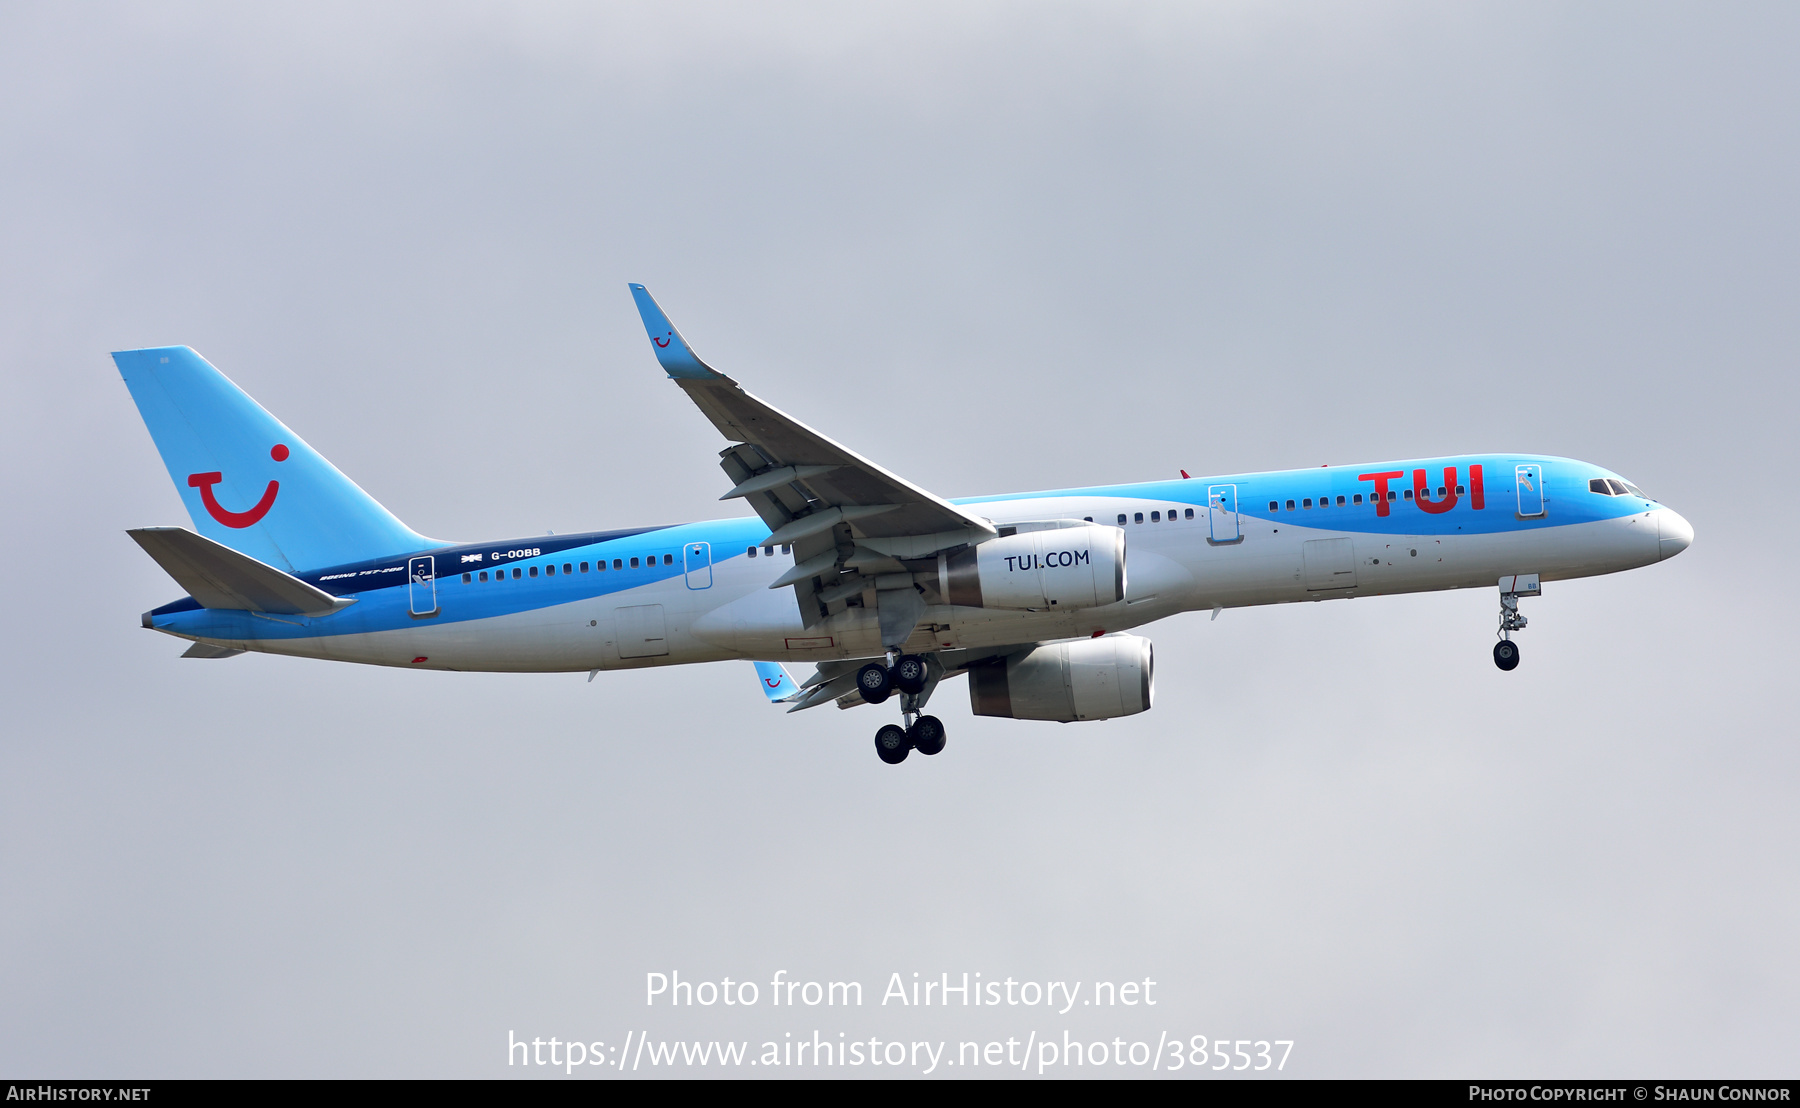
(1137, 517)
(668, 559)
(549, 570)
(1440, 490)
(1307, 503)
(484, 575)
(1290, 506)
(618, 563)
(1357, 499)
(1340, 502)
(750, 552)
(1274, 505)
(534, 571)
(768, 552)
(1408, 495)
(466, 578)
(1121, 519)
(1190, 513)
(785, 547)
(1459, 490)
(634, 563)
(1155, 517)
(568, 569)
(517, 573)
(584, 567)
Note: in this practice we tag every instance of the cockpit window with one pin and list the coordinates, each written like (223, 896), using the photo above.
(1612, 486)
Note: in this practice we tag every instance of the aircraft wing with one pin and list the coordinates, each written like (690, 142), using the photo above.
(818, 497)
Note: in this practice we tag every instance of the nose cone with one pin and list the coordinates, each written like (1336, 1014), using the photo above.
(1675, 534)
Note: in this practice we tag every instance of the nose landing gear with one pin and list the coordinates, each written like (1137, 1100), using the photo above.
(1506, 652)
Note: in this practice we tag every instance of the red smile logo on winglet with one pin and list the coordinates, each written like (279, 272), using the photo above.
(205, 482)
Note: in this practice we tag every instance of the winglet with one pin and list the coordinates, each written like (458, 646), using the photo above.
(677, 357)
(776, 684)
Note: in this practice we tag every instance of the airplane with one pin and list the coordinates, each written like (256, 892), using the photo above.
(883, 587)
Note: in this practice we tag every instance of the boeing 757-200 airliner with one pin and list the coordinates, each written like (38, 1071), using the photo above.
(883, 587)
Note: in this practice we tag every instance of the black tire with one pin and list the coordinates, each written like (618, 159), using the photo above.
(1506, 655)
(928, 735)
(875, 682)
(892, 745)
(910, 674)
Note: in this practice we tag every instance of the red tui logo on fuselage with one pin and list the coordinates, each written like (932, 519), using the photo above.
(1422, 493)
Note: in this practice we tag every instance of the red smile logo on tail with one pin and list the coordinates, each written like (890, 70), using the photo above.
(205, 482)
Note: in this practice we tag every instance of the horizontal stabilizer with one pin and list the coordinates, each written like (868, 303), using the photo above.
(219, 577)
(208, 650)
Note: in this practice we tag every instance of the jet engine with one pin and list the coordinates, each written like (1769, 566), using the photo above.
(1067, 681)
(1072, 564)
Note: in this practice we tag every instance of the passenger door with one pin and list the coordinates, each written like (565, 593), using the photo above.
(1222, 514)
(696, 557)
(1529, 480)
(421, 586)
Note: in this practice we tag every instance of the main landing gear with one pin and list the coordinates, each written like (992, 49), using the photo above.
(909, 676)
(914, 677)
(926, 735)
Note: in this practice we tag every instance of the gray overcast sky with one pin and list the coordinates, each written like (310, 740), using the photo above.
(995, 247)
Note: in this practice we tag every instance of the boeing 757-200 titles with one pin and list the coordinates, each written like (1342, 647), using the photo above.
(884, 588)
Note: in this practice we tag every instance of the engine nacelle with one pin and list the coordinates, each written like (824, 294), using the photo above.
(1067, 682)
(1071, 565)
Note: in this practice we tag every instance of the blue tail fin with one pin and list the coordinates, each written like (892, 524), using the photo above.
(776, 683)
(248, 481)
